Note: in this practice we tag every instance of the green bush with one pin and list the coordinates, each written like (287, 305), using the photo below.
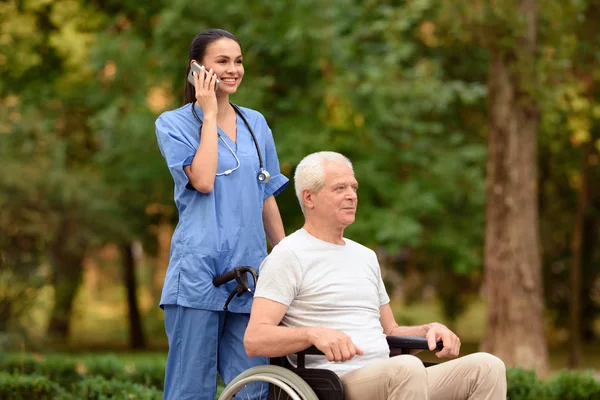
(148, 373)
(98, 388)
(59, 369)
(28, 376)
(524, 385)
(27, 387)
(575, 385)
(568, 385)
(68, 370)
(107, 366)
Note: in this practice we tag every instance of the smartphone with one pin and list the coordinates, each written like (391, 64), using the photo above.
(195, 67)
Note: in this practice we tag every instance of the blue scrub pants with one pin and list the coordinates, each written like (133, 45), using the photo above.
(202, 343)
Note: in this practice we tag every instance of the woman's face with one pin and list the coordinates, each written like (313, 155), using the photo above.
(224, 56)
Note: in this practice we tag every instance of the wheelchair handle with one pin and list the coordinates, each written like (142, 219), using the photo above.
(234, 274)
(239, 274)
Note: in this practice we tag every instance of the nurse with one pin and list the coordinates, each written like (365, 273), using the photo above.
(219, 156)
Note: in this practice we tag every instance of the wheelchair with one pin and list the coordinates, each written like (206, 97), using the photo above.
(280, 379)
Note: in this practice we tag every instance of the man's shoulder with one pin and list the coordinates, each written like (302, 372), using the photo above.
(289, 244)
(355, 246)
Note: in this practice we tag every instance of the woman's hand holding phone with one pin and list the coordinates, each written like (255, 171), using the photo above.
(205, 90)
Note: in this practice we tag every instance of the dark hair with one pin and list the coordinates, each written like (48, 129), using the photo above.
(197, 51)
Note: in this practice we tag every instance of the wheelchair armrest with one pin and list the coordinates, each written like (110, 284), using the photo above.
(395, 342)
(398, 345)
(407, 343)
(312, 350)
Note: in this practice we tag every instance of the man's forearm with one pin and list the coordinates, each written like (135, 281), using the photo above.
(276, 341)
(418, 331)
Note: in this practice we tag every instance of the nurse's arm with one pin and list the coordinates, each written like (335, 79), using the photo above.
(272, 221)
(203, 170)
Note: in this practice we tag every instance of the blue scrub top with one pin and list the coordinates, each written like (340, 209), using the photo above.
(222, 229)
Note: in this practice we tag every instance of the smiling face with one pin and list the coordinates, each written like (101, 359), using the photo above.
(224, 56)
(335, 203)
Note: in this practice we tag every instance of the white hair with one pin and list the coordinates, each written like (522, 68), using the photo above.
(310, 172)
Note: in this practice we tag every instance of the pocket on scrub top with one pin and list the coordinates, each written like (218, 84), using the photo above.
(204, 262)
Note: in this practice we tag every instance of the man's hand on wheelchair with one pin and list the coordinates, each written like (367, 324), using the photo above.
(336, 345)
(437, 332)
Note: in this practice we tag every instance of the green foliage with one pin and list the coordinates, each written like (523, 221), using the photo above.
(26, 387)
(571, 385)
(148, 373)
(524, 385)
(568, 385)
(58, 369)
(399, 87)
(108, 367)
(67, 371)
(66, 377)
(98, 388)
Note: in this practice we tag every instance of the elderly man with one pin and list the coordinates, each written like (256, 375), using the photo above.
(319, 288)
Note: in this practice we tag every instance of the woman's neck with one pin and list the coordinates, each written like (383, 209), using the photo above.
(223, 104)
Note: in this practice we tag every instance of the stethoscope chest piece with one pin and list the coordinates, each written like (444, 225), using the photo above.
(264, 176)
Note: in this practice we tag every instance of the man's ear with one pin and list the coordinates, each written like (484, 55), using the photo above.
(307, 199)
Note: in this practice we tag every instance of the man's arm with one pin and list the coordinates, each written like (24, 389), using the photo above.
(434, 332)
(264, 336)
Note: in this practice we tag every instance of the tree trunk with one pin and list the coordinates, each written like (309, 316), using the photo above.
(515, 322)
(589, 265)
(576, 260)
(5, 314)
(67, 263)
(137, 340)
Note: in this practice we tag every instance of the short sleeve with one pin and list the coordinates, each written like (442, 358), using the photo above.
(280, 276)
(383, 296)
(278, 181)
(177, 152)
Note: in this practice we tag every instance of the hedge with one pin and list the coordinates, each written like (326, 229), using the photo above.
(68, 370)
(106, 377)
(568, 385)
(27, 387)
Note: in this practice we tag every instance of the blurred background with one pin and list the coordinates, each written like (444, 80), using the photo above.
(473, 127)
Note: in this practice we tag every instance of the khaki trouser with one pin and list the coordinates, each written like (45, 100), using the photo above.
(479, 376)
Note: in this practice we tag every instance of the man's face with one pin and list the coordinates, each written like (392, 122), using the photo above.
(337, 200)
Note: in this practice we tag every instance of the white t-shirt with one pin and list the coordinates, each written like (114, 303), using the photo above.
(328, 285)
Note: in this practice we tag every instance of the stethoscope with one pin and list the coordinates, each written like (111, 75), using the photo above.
(263, 174)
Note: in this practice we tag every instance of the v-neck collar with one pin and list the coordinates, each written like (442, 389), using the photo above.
(225, 136)
(220, 131)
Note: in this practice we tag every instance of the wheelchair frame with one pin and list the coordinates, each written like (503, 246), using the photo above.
(314, 383)
(301, 383)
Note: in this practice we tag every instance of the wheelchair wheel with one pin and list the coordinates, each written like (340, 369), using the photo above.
(282, 384)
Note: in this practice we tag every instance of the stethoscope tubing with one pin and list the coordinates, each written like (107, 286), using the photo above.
(238, 112)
